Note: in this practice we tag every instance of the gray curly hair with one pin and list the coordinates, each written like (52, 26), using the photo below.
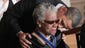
(40, 10)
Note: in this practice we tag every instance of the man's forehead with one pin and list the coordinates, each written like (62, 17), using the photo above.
(59, 5)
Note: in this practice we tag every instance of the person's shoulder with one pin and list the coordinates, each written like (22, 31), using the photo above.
(36, 40)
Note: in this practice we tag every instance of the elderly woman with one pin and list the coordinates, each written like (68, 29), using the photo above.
(46, 21)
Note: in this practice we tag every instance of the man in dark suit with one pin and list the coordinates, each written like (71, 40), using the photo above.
(18, 20)
(5, 5)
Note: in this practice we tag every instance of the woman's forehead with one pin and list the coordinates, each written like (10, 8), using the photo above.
(51, 15)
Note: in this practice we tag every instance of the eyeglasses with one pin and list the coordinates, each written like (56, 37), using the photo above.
(51, 22)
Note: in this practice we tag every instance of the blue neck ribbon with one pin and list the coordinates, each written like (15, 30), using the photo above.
(50, 44)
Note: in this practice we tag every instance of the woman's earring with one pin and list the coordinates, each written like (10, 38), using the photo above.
(39, 25)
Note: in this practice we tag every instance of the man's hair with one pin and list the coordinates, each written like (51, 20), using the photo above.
(41, 9)
(75, 15)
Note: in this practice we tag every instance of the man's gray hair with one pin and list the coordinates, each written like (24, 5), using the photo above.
(75, 15)
(40, 11)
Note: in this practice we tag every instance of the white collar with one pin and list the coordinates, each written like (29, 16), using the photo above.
(15, 1)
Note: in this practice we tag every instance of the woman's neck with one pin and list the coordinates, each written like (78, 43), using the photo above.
(45, 35)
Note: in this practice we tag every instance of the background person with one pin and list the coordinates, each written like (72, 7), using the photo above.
(71, 18)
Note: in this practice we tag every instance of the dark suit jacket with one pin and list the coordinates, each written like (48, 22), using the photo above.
(5, 35)
(18, 18)
(82, 36)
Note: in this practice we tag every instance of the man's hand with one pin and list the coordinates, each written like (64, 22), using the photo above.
(24, 42)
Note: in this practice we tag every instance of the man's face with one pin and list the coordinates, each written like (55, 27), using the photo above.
(62, 11)
(64, 20)
(50, 23)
